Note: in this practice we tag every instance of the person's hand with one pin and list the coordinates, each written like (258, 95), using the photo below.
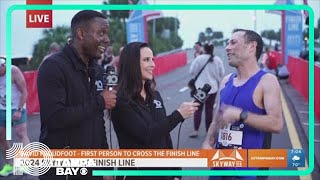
(186, 109)
(229, 114)
(206, 145)
(175, 178)
(16, 115)
(109, 98)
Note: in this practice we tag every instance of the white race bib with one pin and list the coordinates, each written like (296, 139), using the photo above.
(229, 137)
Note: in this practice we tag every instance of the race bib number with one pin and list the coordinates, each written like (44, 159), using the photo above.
(229, 137)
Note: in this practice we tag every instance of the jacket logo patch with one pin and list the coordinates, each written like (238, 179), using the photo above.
(99, 85)
(158, 104)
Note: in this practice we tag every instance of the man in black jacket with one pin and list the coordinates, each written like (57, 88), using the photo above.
(72, 97)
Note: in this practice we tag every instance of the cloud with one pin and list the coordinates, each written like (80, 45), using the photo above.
(296, 158)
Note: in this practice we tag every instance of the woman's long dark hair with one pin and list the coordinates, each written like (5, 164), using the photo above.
(130, 79)
(208, 49)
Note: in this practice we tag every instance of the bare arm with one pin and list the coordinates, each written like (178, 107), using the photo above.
(211, 135)
(19, 80)
(273, 120)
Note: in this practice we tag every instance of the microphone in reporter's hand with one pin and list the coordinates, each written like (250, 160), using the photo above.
(202, 94)
(110, 78)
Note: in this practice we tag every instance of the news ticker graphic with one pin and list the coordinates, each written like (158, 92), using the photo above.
(39, 18)
(36, 158)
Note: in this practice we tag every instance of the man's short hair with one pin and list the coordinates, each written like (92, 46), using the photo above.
(54, 46)
(82, 18)
(252, 36)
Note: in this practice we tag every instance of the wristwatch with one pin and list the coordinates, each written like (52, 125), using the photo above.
(243, 116)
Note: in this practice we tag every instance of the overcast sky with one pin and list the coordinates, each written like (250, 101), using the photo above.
(191, 22)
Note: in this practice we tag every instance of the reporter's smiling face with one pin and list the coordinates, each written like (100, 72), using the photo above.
(96, 38)
(146, 63)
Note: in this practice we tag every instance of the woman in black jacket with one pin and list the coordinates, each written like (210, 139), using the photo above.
(140, 119)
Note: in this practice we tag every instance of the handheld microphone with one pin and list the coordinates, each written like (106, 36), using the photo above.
(202, 94)
(110, 78)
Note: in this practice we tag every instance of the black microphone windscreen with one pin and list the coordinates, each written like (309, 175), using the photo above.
(110, 68)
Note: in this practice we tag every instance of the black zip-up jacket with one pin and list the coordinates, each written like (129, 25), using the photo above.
(71, 108)
(141, 125)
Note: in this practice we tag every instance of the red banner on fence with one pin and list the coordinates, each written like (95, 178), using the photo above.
(299, 79)
(32, 99)
(170, 62)
(299, 75)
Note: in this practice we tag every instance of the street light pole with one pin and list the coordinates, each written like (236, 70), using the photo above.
(154, 24)
(255, 20)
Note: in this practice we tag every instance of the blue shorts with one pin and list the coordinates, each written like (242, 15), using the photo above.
(23, 118)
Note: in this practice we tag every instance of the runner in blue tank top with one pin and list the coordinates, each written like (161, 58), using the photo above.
(250, 102)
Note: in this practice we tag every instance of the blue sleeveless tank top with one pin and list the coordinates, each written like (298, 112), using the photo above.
(241, 97)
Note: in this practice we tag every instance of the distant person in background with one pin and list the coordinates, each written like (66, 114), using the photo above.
(317, 56)
(276, 47)
(108, 57)
(304, 54)
(115, 61)
(53, 48)
(212, 73)
(198, 49)
(264, 59)
(100, 60)
(271, 63)
(19, 114)
(317, 61)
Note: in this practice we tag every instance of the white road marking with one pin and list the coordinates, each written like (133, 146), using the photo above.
(183, 89)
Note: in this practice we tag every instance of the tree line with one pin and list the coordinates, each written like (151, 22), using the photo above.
(217, 38)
